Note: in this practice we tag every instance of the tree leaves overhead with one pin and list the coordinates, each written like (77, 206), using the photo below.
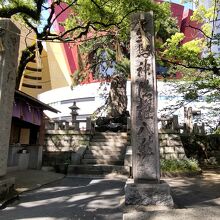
(199, 53)
(30, 8)
(114, 16)
(108, 25)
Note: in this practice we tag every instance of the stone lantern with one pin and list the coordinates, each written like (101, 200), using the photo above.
(74, 113)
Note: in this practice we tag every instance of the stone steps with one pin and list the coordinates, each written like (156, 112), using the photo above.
(103, 156)
(110, 134)
(98, 169)
(97, 150)
(110, 148)
(110, 140)
(110, 161)
(108, 143)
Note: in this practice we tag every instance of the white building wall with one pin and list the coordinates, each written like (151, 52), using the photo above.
(215, 24)
(89, 97)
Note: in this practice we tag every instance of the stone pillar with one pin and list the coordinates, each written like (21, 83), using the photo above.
(9, 44)
(144, 100)
(145, 188)
(188, 119)
(175, 124)
(88, 124)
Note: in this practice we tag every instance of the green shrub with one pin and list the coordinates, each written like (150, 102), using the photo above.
(175, 165)
(217, 131)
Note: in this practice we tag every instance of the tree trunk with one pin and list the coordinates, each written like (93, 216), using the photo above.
(117, 103)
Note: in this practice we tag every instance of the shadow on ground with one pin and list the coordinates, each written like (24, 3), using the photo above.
(70, 198)
(199, 191)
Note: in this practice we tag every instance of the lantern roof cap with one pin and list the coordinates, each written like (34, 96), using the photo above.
(74, 107)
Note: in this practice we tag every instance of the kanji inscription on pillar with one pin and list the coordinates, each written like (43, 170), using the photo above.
(144, 100)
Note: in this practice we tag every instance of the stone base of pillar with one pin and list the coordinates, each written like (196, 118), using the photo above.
(6, 189)
(148, 194)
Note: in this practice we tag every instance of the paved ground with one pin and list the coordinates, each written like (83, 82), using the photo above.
(199, 191)
(196, 198)
(204, 213)
(32, 179)
(70, 198)
(80, 198)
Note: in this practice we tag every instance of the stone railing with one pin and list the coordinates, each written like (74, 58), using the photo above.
(87, 125)
(171, 125)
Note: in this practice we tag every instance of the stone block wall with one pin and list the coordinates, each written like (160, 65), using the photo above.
(198, 146)
(65, 140)
(171, 146)
(61, 146)
(202, 147)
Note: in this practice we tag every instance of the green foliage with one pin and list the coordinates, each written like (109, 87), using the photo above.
(197, 60)
(197, 53)
(205, 16)
(103, 15)
(78, 77)
(91, 16)
(25, 9)
(165, 25)
(217, 131)
(109, 54)
(187, 54)
(183, 165)
(17, 3)
(199, 83)
(105, 56)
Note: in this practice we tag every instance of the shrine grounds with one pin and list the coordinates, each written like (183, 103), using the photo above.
(77, 197)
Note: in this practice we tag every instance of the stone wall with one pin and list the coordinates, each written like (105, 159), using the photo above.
(65, 140)
(61, 146)
(202, 147)
(180, 146)
(171, 146)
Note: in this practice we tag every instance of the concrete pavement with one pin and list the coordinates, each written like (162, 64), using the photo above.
(205, 213)
(70, 198)
(199, 191)
(79, 198)
(195, 198)
(31, 179)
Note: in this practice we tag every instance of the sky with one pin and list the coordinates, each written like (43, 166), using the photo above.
(187, 5)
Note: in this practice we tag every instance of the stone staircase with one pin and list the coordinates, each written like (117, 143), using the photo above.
(104, 155)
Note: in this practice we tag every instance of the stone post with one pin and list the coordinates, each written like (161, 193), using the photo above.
(145, 188)
(88, 124)
(9, 45)
(188, 119)
(144, 100)
(176, 124)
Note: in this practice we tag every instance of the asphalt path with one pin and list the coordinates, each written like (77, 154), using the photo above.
(76, 198)
(70, 198)
(196, 192)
